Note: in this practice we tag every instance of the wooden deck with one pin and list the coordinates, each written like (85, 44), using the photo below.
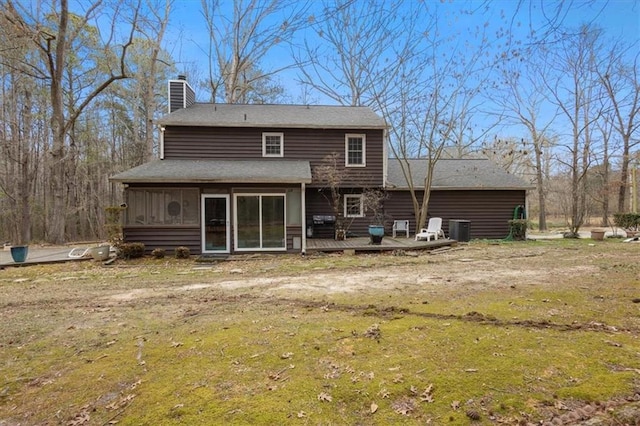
(363, 244)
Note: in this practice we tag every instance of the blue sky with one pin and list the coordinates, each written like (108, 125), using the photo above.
(187, 34)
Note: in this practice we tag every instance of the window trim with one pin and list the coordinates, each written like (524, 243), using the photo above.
(360, 198)
(364, 149)
(264, 144)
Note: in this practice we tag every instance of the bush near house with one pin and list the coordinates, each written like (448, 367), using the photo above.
(518, 229)
(131, 250)
(182, 252)
(158, 253)
(628, 221)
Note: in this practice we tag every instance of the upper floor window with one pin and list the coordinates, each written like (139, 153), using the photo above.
(353, 205)
(355, 150)
(273, 144)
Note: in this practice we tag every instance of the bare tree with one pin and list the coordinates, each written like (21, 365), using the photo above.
(620, 81)
(19, 153)
(521, 97)
(572, 88)
(430, 104)
(332, 174)
(57, 35)
(153, 27)
(511, 154)
(241, 38)
(360, 47)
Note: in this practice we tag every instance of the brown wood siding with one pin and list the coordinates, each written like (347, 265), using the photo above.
(317, 204)
(489, 211)
(166, 237)
(190, 96)
(180, 95)
(176, 96)
(299, 144)
(169, 238)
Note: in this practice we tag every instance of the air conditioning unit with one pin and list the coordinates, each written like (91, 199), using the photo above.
(460, 230)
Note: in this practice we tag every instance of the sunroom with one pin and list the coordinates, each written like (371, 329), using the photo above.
(216, 207)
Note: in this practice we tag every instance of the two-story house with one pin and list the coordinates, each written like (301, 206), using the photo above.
(239, 178)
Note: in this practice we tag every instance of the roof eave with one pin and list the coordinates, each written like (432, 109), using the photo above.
(278, 126)
(463, 188)
(204, 180)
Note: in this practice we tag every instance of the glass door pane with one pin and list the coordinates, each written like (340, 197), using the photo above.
(248, 221)
(260, 222)
(215, 223)
(273, 222)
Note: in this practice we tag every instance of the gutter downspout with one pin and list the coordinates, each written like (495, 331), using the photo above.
(385, 158)
(162, 142)
(303, 202)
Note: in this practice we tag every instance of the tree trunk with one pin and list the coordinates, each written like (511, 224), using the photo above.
(624, 177)
(56, 228)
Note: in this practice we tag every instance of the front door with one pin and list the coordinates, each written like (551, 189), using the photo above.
(215, 224)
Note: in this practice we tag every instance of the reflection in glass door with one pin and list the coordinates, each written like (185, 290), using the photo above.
(260, 222)
(215, 224)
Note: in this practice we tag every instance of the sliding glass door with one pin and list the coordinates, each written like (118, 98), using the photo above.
(260, 222)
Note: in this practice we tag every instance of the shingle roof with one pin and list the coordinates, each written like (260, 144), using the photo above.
(222, 171)
(275, 116)
(455, 174)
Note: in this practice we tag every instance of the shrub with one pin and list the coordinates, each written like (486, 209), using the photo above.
(158, 253)
(113, 225)
(131, 250)
(182, 252)
(518, 229)
(630, 221)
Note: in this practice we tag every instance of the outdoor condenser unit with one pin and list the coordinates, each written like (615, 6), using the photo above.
(460, 230)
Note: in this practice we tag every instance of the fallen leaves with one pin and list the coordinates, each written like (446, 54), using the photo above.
(122, 402)
(278, 376)
(404, 406)
(373, 332)
(427, 394)
(81, 418)
(324, 397)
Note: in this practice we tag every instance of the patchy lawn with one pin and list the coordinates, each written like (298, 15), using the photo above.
(510, 333)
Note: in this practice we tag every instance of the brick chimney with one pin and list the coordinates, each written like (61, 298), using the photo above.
(181, 94)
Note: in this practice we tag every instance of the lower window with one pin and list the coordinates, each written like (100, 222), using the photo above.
(260, 222)
(353, 205)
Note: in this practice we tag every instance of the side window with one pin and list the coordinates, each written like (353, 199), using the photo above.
(273, 144)
(353, 205)
(355, 150)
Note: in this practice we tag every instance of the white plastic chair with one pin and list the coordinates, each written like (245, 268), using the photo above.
(433, 229)
(400, 226)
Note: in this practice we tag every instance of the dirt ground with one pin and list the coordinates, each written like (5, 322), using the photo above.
(451, 280)
(464, 268)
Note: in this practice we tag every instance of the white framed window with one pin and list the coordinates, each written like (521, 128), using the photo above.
(353, 205)
(355, 147)
(272, 144)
